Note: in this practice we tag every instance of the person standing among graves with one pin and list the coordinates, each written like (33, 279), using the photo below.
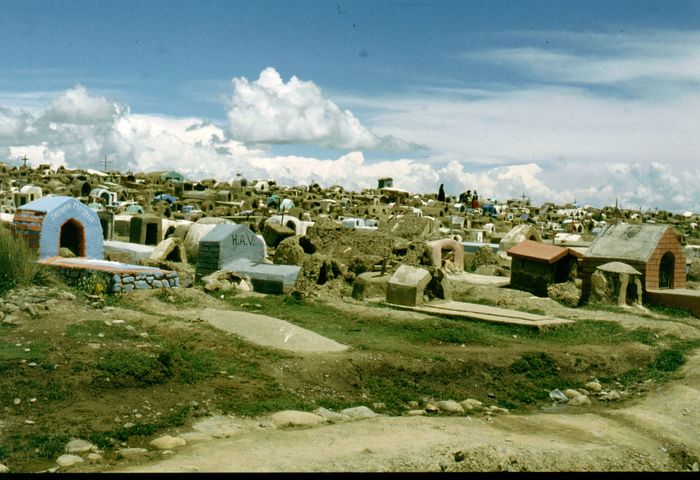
(441, 193)
(475, 200)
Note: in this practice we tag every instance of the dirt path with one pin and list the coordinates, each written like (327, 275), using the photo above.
(659, 433)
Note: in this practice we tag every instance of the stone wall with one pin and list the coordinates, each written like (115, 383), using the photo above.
(116, 282)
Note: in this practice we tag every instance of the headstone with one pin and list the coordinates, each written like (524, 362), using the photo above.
(407, 285)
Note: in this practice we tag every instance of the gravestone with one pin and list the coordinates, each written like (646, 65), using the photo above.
(107, 221)
(236, 248)
(407, 285)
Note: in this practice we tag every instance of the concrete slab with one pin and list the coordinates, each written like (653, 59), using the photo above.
(475, 311)
(269, 331)
(136, 250)
(477, 279)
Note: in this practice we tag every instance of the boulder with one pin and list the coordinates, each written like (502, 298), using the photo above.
(566, 293)
(4, 468)
(416, 413)
(167, 442)
(593, 386)
(450, 406)
(295, 418)
(579, 400)
(79, 446)
(471, 404)
(68, 460)
(571, 393)
(358, 412)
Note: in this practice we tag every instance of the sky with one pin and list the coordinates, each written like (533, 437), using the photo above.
(594, 102)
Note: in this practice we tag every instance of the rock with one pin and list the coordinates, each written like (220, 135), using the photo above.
(132, 452)
(379, 406)
(416, 413)
(594, 387)
(571, 393)
(94, 457)
(413, 405)
(295, 418)
(4, 468)
(450, 406)
(79, 446)
(358, 412)
(431, 407)
(471, 404)
(167, 442)
(579, 400)
(611, 396)
(67, 460)
(17, 401)
(330, 415)
(566, 293)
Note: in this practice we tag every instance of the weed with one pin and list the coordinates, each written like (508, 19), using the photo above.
(133, 368)
(18, 265)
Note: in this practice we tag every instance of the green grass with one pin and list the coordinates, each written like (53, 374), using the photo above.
(665, 364)
(378, 332)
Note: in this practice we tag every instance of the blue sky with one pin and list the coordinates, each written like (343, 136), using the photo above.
(560, 100)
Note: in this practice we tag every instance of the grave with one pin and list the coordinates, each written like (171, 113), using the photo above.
(146, 230)
(236, 248)
(55, 222)
(406, 286)
(107, 221)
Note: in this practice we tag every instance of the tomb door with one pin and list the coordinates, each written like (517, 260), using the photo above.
(666, 270)
(72, 237)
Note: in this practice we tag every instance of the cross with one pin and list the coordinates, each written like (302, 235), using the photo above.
(25, 159)
(106, 162)
(523, 197)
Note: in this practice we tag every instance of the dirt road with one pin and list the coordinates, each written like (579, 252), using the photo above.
(660, 432)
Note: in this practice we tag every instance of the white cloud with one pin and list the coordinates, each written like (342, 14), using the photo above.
(604, 58)
(78, 107)
(269, 110)
(548, 142)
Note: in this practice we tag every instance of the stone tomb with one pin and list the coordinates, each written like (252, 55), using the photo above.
(407, 285)
(53, 223)
(146, 230)
(236, 248)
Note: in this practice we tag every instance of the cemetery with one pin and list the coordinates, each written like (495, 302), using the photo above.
(176, 302)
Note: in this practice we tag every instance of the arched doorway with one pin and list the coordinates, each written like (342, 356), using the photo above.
(666, 270)
(72, 237)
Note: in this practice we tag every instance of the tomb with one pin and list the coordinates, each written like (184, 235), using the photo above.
(236, 248)
(536, 265)
(146, 230)
(654, 250)
(53, 223)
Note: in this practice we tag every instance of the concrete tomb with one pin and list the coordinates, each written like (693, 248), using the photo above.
(146, 230)
(236, 248)
(55, 222)
(407, 285)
